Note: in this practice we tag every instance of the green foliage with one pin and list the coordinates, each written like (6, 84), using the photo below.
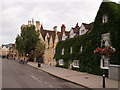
(39, 50)
(90, 62)
(27, 41)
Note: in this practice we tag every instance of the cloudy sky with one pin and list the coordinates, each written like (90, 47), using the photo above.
(50, 13)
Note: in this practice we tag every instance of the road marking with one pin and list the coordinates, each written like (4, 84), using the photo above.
(50, 86)
(45, 82)
(40, 81)
(34, 77)
(37, 77)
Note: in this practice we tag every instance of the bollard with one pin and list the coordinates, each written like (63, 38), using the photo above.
(39, 65)
(103, 80)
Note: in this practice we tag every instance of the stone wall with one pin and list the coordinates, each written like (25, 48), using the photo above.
(114, 72)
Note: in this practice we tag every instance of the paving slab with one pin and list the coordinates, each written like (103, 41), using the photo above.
(85, 79)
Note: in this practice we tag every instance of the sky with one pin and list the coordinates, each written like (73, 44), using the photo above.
(50, 13)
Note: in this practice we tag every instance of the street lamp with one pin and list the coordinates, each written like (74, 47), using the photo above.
(27, 55)
(103, 63)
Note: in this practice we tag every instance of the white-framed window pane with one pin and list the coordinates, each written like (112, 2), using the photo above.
(104, 18)
(105, 39)
(61, 62)
(75, 63)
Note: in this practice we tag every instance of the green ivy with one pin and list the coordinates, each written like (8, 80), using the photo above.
(90, 62)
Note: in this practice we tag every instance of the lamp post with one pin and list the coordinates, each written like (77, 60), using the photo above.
(103, 59)
(27, 56)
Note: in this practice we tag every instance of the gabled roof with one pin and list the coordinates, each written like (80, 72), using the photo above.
(76, 29)
(52, 33)
(88, 26)
(8, 45)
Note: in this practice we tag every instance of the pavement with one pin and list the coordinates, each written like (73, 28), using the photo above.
(81, 78)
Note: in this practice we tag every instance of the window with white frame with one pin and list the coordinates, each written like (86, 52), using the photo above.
(63, 51)
(104, 62)
(71, 50)
(61, 62)
(76, 63)
(81, 49)
(104, 19)
(105, 39)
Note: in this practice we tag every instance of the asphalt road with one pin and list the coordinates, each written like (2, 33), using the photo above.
(15, 75)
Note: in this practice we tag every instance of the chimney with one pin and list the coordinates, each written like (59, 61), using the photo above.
(76, 25)
(29, 22)
(63, 28)
(37, 25)
(55, 29)
(32, 21)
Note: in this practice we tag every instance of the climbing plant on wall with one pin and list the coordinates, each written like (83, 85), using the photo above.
(88, 60)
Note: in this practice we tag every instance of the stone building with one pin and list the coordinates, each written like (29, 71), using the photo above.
(50, 39)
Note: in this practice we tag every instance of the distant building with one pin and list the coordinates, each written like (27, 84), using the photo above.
(4, 50)
(13, 53)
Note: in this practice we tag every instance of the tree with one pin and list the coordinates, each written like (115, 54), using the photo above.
(26, 43)
(39, 50)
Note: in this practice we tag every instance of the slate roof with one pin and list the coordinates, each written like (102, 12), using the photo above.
(8, 45)
(88, 26)
(52, 33)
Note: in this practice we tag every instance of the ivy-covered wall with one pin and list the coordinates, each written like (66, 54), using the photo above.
(89, 61)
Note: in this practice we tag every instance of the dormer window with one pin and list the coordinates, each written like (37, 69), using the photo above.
(104, 19)
(63, 51)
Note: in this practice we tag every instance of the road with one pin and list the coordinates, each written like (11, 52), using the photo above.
(15, 75)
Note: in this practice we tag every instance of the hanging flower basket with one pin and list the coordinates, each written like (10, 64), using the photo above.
(105, 51)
